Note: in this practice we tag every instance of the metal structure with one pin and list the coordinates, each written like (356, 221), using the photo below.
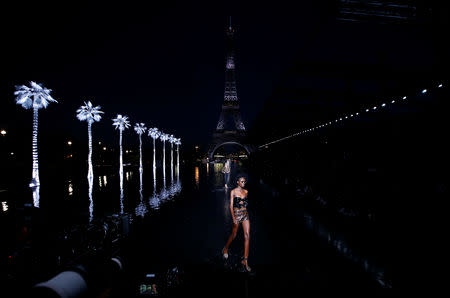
(230, 128)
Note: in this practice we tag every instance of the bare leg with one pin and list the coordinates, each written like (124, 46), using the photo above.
(231, 238)
(246, 227)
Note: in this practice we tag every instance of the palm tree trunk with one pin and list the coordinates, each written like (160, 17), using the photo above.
(120, 160)
(141, 170)
(164, 159)
(36, 196)
(35, 172)
(171, 160)
(178, 159)
(154, 159)
(140, 154)
(90, 173)
(90, 170)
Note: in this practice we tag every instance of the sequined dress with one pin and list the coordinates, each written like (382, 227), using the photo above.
(240, 209)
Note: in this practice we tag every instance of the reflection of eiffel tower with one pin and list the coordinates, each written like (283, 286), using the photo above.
(230, 128)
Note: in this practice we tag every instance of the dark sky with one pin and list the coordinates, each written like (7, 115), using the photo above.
(163, 64)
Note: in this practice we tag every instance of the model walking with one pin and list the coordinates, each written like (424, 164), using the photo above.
(226, 172)
(239, 214)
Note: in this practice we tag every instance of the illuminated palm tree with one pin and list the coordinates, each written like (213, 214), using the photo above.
(154, 133)
(171, 140)
(164, 137)
(178, 143)
(140, 128)
(36, 97)
(121, 123)
(90, 114)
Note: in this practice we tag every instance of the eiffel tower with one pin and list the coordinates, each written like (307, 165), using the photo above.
(230, 128)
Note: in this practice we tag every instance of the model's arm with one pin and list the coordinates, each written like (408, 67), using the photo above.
(231, 205)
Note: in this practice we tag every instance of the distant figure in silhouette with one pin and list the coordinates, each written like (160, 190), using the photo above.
(226, 172)
(238, 208)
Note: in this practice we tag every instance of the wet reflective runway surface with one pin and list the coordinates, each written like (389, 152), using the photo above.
(182, 224)
(289, 249)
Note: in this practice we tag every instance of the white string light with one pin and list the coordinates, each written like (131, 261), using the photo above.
(374, 108)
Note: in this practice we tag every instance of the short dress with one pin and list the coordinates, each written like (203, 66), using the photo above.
(240, 209)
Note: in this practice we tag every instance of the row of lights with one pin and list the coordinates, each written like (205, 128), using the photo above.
(350, 116)
(104, 147)
(3, 132)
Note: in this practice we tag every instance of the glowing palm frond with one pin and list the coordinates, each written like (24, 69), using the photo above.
(140, 128)
(35, 96)
(154, 133)
(89, 113)
(164, 137)
(121, 122)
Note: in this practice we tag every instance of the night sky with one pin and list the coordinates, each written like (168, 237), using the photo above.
(163, 64)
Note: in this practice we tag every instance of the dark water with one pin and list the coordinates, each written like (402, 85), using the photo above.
(183, 222)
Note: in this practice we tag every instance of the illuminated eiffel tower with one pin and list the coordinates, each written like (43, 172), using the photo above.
(230, 128)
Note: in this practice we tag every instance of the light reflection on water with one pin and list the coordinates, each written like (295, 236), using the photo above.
(165, 194)
(121, 201)
(336, 240)
(154, 201)
(128, 175)
(102, 181)
(91, 209)
(218, 167)
(218, 175)
(141, 208)
(70, 188)
(197, 176)
(91, 201)
(4, 206)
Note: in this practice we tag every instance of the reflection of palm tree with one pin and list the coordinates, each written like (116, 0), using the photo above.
(90, 114)
(164, 193)
(154, 200)
(121, 123)
(91, 204)
(121, 200)
(141, 208)
(36, 97)
(154, 133)
(164, 137)
(140, 128)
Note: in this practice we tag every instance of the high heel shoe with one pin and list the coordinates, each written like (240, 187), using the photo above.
(225, 255)
(245, 265)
